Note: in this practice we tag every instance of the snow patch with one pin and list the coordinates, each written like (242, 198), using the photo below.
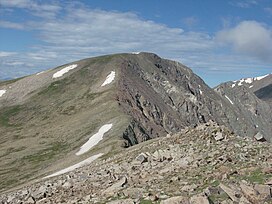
(248, 80)
(261, 77)
(75, 166)
(93, 140)
(2, 92)
(229, 99)
(200, 92)
(109, 78)
(40, 73)
(64, 70)
(251, 86)
(135, 53)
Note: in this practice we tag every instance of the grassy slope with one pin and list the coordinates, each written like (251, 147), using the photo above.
(56, 121)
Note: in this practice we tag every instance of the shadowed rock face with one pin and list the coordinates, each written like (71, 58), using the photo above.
(265, 93)
(163, 96)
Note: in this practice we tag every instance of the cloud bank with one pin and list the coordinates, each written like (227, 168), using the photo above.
(74, 31)
(249, 38)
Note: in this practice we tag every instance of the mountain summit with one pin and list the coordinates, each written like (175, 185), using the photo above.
(60, 119)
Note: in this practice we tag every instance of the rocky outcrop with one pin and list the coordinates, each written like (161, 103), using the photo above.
(251, 103)
(191, 167)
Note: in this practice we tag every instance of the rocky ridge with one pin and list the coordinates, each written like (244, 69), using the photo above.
(206, 164)
(251, 98)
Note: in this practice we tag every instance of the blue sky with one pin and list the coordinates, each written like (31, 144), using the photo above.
(220, 40)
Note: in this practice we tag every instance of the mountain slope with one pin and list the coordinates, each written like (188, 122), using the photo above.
(206, 164)
(113, 101)
(251, 98)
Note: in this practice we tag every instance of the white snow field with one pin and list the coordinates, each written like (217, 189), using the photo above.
(75, 166)
(248, 80)
(93, 140)
(135, 53)
(229, 99)
(2, 92)
(64, 70)
(109, 78)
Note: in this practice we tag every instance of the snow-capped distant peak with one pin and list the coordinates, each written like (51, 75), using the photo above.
(109, 78)
(2, 92)
(247, 80)
(64, 70)
(261, 77)
(135, 53)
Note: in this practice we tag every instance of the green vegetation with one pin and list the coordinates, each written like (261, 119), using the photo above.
(2, 83)
(7, 113)
(218, 197)
(54, 87)
(46, 154)
(146, 202)
(256, 176)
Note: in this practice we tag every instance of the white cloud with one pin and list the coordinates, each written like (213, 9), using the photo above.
(78, 32)
(250, 38)
(45, 10)
(7, 24)
(244, 3)
(6, 54)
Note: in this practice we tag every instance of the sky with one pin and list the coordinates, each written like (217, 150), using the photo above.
(220, 40)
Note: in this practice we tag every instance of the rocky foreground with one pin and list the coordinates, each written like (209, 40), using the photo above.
(206, 164)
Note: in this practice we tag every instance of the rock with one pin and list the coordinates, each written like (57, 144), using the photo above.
(125, 201)
(199, 199)
(219, 136)
(135, 193)
(234, 195)
(227, 202)
(259, 137)
(30, 200)
(115, 187)
(267, 170)
(189, 188)
(263, 190)
(67, 185)
(176, 200)
(141, 158)
(269, 182)
(249, 193)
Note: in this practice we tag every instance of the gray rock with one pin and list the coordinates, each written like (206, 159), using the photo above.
(264, 191)
(142, 158)
(199, 199)
(259, 137)
(219, 136)
(233, 194)
(176, 200)
(125, 201)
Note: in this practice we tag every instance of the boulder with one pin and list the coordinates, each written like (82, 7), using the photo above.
(176, 200)
(125, 201)
(219, 136)
(199, 199)
(141, 158)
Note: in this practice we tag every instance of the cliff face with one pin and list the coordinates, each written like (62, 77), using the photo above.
(163, 96)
